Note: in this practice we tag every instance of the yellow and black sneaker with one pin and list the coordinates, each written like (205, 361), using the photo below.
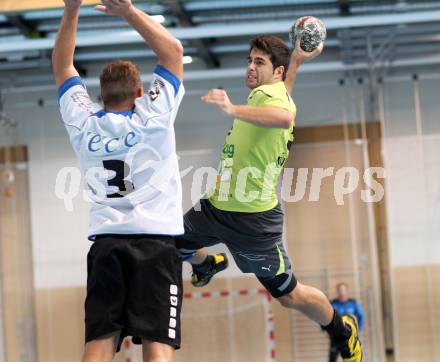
(203, 274)
(351, 350)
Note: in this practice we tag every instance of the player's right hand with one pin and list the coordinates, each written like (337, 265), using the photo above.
(300, 56)
(219, 98)
(115, 7)
(73, 4)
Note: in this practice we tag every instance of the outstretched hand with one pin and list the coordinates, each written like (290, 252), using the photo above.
(72, 4)
(300, 56)
(220, 99)
(114, 7)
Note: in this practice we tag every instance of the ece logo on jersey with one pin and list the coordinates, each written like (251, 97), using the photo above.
(108, 144)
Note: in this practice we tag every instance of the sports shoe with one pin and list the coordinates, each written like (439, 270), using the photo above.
(350, 349)
(219, 263)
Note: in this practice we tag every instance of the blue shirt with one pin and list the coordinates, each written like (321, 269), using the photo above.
(350, 307)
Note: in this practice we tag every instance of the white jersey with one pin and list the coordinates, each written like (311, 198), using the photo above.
(128, 158)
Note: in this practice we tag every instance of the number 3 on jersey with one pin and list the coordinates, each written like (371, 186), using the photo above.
(122, 170)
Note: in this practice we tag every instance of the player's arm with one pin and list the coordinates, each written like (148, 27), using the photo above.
(298, 57)
(360, 315)
(271, 117)
(167, 48)
(62, 55)
(75, 103)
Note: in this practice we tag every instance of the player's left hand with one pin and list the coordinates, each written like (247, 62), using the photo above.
(115, 7)
(300, 56)
(219, 98)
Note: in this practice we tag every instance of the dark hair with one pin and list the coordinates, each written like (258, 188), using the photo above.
(275, 47)
(119, 82)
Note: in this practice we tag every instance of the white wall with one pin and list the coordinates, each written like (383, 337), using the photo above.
(400, 107)
(59, 242)
(413, 169)
(413, 199)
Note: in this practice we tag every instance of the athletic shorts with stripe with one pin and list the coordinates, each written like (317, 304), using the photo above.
(134, 288)
(254, 240)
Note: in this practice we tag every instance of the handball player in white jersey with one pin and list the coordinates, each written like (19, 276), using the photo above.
(127, 153)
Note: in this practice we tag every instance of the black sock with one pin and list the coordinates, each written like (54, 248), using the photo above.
(206, 266)
(337, 330)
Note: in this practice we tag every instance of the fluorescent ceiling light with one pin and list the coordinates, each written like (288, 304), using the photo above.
(187, 59)
(159, 18)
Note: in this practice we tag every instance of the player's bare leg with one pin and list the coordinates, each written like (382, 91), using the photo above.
(156, 352)
(311, 302)
(315, 305)
(198, 257)
(101, 350)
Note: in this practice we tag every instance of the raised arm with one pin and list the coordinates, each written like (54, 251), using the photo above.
(62, 55)
(168, 49)
(298, 57)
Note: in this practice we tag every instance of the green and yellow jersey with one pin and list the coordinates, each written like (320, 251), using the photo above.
(253, 157)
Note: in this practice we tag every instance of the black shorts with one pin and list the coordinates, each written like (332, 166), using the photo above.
(255, 240)
(134, 286)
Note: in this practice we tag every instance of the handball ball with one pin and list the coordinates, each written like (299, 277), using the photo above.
(311, 30)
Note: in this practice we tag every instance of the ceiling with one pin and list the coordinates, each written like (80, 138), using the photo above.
(215, 34)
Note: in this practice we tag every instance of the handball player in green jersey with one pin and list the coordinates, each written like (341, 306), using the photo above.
(242, 210)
